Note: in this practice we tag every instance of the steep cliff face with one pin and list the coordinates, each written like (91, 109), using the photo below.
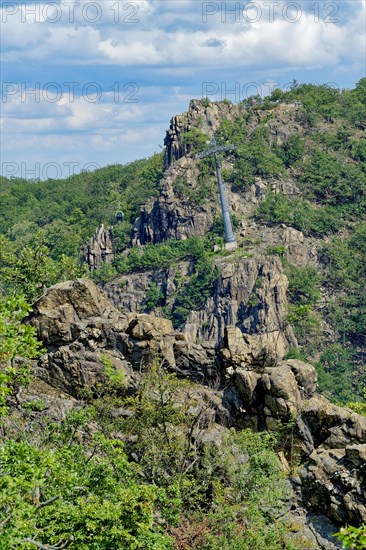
(100, 249)
(181, 210)
(204, 115)
(251, 289)
(255, 387)
(173, 215)
(249, 293)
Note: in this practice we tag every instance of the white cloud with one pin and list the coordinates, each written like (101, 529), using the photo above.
(151, 41)
(169, 50)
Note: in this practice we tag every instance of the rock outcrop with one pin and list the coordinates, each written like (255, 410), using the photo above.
(176, 213)
(206, 116)
(334, 476)
(80, 328)
(255, 387)
(100, 250)
(183, 209)
(234, 345)
(250, 293)
(330, 440)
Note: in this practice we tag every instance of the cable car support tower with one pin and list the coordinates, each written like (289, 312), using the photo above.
(230, 242)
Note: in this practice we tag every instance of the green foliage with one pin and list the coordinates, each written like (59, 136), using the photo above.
(36, 405)
(137, 480)
(324, 103)
(295, 353)
(253, 155)
(105, 273)
(181, 187)
(276, 208)
(225, 495)
(17, 341)
(195, 292)
(359, 150)
(340, 367)
(352, 537)
(359, 407)
(194, 140)
(66, 212)
(162, 255)
(303, 295)
(303, 285)
(62, 494)
(218, 229)
(205, 102)
(192, 292)
(330, 181)
(154, 297)
(115, 378)
(27, 269)
(291, 150)
(306, 324)
(244, 505)
(335, 372)
(344, 263)
(276, 250)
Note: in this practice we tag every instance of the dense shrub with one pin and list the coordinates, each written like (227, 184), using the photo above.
(275, 208)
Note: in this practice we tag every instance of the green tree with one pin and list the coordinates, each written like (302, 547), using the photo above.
(18, 343)
(68, 496)
(28, 269)
(194, 140)
(352, 537)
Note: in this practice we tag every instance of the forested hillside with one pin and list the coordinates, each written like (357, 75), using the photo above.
(183, 415)
(45, 224)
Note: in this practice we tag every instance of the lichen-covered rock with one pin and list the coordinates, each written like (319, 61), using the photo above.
(334, 480)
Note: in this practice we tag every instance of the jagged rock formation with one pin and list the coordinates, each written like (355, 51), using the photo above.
(207, 117)
(255, 386)
(178, 212)
(332, 438)
(334, 476)
(78, 325)
(100, 249)
(235, 343)
(249, 293)
(173, 215)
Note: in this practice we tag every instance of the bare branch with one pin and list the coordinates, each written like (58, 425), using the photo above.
(47, 502)
(5, 521)
(58, 546)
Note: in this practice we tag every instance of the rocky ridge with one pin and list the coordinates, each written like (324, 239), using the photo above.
(234, 346)
(249, 293)
(251, 289)
(255, 387)
(177, 215)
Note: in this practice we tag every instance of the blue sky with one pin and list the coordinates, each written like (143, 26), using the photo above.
(90, 83)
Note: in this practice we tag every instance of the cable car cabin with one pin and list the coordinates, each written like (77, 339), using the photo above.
(120, 216)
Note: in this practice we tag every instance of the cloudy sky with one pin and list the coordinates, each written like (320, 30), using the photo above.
(91, 83)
